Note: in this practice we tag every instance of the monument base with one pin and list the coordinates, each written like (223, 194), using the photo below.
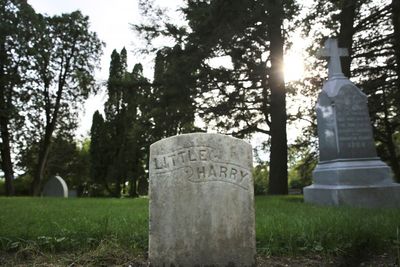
(387, 196)
(357, 183)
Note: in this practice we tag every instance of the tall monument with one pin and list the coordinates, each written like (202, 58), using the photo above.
(348, 173)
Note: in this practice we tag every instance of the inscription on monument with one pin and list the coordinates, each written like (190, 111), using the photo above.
(344, 127)
(353, 124)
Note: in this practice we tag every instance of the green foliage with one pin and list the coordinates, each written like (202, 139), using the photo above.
(64, 55)
(22, 185)
(120, 141)
(16, 18)
(260, 176)
(98, 151)
(303, 162)
(66, 158)
(16, 32)
(2, 187)
(173, 90)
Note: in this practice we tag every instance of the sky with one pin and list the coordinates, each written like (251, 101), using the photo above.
(111, 21)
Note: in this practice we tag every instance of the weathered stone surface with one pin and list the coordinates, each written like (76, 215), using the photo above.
(377, 196)
(55, 187)
(349, 171)
(201, 202)
(344, 127)
(363, 172)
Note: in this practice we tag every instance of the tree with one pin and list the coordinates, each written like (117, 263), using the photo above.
(376, 74)
(396, 36)
(66, 53)
(67, 159)
(138, 108)
(346, 32)
(16, 18)
(116, 121)
(249, 97)
(98, 151)
(278, 181)
(119, 143)
(174, 108)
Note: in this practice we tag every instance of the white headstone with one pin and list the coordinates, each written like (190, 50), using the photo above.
(55, 187)
(201, 202)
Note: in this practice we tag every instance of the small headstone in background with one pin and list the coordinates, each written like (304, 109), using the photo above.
(201, 202)
(349, 172)
(55, 187)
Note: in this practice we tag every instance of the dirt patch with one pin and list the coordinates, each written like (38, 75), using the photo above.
(385, 259)
(122, 258)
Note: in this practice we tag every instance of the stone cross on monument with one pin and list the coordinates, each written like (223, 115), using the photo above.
(332, 52)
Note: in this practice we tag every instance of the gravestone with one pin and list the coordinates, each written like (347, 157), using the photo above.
(201, 202)
(348, 172)
(55, 187)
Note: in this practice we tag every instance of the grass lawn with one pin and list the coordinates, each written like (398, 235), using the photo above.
(285, 226)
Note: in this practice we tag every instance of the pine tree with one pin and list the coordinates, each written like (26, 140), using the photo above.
(125, 129)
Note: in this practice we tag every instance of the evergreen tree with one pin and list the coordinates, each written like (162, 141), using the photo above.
(122, 136)
(173, 85)
(99, 155)
(396, 36)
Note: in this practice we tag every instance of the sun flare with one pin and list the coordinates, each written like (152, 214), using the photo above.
(293, 67)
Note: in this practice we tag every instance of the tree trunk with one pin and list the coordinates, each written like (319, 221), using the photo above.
(5, 149)
(117, 191)
(133, 187)
(278, 176)
(396, 44)
(345, 39)
(51, 120)
(105, 183)
(43, 154)
(394, 161)
(6, 162)
(143, 186)
(390, 145)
